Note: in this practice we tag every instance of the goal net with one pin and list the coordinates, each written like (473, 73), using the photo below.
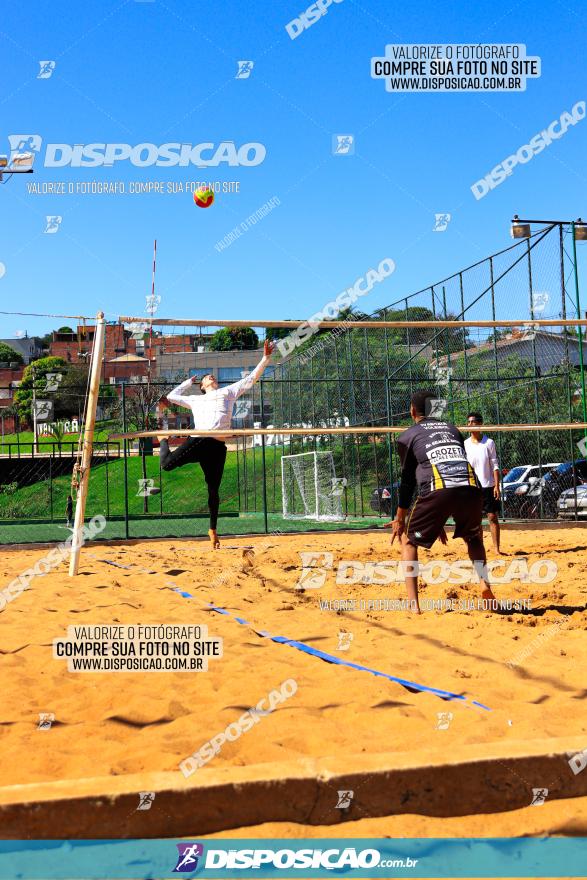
(310, 487)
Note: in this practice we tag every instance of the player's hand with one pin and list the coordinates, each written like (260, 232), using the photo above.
(443, 537)
(397, 528)
(268, 348)
(496, 492)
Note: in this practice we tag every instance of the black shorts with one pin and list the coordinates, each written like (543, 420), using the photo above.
(429, 514)
(490, 502)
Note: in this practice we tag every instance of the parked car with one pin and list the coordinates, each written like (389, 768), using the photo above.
(572, 503)
(542, 498)
(517, 483)
(384, 499)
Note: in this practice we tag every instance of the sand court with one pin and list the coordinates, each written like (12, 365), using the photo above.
(516, 677)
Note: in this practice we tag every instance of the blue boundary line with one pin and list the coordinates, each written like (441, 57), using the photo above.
(337, 661)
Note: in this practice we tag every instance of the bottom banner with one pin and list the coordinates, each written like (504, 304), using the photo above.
(266, 858)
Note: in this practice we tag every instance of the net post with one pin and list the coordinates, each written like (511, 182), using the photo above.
(316, 484)
(126, 452)
(580, 333)
(263, 458)
(88, 442)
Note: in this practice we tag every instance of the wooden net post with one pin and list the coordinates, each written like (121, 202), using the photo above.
(88, 443)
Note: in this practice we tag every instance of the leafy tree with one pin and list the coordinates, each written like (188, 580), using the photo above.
(9, 355)
(234, 338)
(66, 330)
(35, 373)
(274, 333)
(517, 396)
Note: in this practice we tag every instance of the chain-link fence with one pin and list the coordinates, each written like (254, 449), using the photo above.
(523, 375)
(334, 379)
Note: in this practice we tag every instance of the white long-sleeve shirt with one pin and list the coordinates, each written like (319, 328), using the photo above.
(482, 457)
(213, 410)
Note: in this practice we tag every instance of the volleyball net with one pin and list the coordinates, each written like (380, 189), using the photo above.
(504, 337)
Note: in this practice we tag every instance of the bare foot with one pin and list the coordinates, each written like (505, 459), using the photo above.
(490, 599)
(213, 535)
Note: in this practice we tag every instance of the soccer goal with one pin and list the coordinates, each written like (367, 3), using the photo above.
(310, 487)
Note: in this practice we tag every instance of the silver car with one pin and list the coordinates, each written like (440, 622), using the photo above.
(567, 508)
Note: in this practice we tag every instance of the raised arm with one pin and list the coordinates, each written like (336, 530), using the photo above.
(246, 383)
(177, 396)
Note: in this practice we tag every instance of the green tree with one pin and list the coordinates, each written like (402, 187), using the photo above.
(446, 339)
(35, 374)
(274, 333)
(517, 396)
(234, 338)
(9, 355)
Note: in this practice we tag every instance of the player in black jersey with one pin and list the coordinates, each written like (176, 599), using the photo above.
(433, 458)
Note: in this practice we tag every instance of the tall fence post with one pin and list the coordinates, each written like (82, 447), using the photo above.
(124, 428)
(88, 442)
(265, 519)
(389, 447)
(578, 303)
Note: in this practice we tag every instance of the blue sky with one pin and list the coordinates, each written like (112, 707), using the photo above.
(164, 71)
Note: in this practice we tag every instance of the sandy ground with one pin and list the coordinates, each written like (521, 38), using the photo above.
(119, 723)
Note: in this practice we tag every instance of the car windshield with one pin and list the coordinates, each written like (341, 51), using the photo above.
(514, 475)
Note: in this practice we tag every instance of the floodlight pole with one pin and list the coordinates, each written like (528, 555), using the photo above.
(578, 306)
(88, 443)
(572, 224)
(35, 445)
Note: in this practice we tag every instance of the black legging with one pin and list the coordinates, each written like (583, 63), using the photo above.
(210, 454)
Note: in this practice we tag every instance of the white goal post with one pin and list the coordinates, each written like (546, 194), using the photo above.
(310, 488)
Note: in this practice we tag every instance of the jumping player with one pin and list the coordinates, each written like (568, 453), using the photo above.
(212, 411)
(482, 456)
(433, 458)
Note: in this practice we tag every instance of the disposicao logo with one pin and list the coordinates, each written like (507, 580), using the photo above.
(203, 197)
(205, 155)
(188, 856)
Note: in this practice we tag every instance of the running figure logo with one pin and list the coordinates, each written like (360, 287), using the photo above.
(153, 302)
(46, 719)
(444, 719)
(244, 69)
(314, 570)
(539, 795)
(242, 408)
(344, 640)
(187, 860)
(43, 410)
(23, 143)
(343, 145)
(47, 68)
(146, 799)
(338, 486)
(436, 407)
(146, 487)
(441, 375)
(53, 381)
(53, 224)
(441, 222)
(344, 800)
